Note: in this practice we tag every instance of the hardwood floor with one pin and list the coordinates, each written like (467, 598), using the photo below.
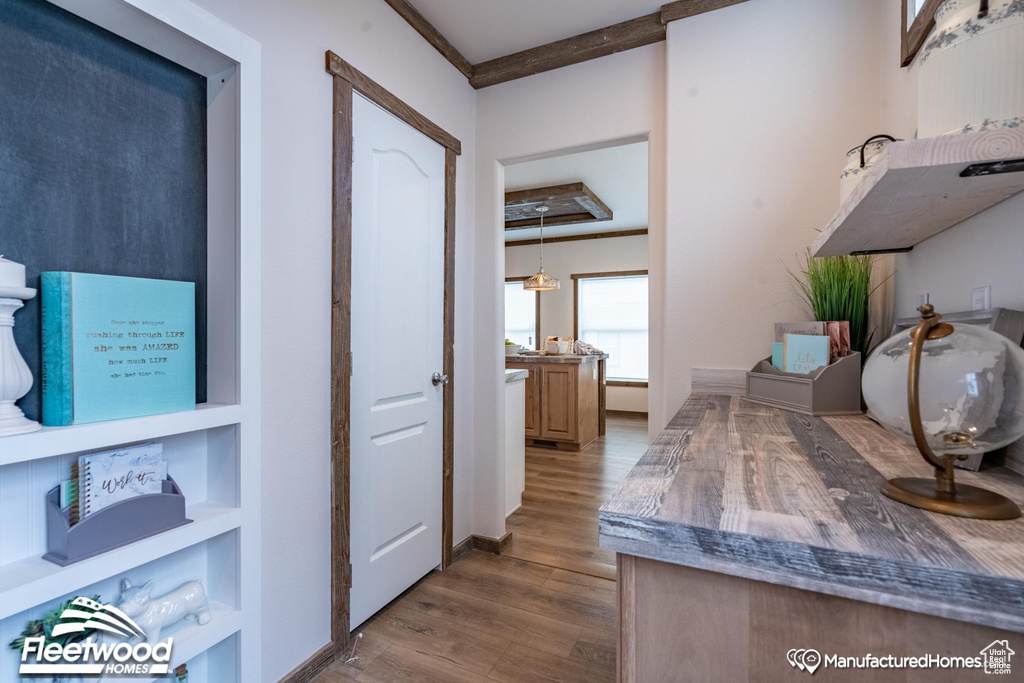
(542, 611)
(557, 524)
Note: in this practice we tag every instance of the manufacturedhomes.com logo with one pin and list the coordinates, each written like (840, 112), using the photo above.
(127, 652)
(995, 659)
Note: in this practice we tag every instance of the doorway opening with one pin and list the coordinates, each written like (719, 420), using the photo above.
(577, 421)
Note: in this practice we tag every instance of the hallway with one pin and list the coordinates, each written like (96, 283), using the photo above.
(543, 611)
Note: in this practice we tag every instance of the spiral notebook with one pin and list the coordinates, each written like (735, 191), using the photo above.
(112, 476)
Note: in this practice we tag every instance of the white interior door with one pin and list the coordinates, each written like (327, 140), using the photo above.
(397, 331)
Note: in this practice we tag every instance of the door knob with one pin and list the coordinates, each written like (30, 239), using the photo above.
(438, 378)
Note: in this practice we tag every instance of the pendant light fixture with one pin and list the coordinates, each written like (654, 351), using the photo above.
(541, 282)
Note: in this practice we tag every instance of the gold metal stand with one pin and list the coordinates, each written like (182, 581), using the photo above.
(942, 495)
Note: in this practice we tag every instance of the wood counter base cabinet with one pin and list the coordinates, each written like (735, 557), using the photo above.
(681, 625)
(561, 403)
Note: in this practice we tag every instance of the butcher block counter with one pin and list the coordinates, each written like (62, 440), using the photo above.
(565, 398)
(746, 532)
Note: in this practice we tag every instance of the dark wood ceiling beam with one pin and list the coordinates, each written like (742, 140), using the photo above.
(674, 11)
(600, 43)
(567, 204)
(432, 35)
(577, 238)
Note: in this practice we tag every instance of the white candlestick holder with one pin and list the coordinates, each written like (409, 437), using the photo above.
(15, 377)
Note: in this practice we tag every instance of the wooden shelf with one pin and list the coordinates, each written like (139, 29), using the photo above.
(50, 441)
(32, 581)
(914, 191)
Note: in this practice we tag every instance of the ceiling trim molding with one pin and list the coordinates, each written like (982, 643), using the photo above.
(432, 35)
(605, 41)
(577, 238)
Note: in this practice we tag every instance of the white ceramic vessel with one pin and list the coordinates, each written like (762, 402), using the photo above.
(853, 173)
(972, 69)
(556, 347)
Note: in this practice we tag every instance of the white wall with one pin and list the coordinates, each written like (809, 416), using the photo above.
(563, 259)
(616, 97)
(764, 100)
(987, 249)
(297, 104)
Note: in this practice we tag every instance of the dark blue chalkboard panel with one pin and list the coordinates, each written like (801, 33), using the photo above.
(102, 162)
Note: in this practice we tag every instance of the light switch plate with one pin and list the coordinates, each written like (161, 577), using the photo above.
(981, 298)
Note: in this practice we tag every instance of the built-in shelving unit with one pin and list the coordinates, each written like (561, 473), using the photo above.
(52, 441)
(213, 452)
(915, 190)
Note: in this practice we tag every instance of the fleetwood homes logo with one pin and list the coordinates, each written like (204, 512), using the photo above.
(91, 658)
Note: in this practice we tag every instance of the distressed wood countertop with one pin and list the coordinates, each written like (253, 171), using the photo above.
(554, 358)
(766, 494)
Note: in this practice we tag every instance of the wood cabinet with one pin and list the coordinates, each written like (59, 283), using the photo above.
(561, 402)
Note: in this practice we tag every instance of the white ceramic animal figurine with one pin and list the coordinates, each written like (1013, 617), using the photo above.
(153, 614)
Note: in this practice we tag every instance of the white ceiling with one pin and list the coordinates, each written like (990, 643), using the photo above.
(485, 29)
(618, 175)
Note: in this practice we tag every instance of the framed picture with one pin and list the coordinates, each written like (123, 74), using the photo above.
(918, 22)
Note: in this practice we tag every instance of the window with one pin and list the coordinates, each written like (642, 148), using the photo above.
(522, 311)
(611, 314)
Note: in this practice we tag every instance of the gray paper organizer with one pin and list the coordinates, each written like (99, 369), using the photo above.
(831, 390)
(112, 527)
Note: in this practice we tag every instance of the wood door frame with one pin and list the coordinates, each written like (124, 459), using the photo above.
(913, 33)
(536, 320)
(576, 277)
(348, 80)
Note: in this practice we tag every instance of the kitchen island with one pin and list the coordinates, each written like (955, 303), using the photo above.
(748, 535)
(565, 398)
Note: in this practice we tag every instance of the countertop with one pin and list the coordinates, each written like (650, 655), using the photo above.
(552, 358)
(515, 375)
(766, 494)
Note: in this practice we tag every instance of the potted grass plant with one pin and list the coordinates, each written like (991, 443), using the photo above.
(839, 288)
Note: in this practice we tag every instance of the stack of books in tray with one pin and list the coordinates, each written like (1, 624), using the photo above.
(803, 347)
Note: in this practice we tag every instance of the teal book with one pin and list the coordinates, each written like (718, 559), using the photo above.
(803, 353)
(116, 347)
(778, 355)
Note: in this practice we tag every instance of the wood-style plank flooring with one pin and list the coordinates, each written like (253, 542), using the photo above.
(557, 524)
(542, 611)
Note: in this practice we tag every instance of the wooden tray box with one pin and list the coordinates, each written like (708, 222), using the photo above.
(831, 390)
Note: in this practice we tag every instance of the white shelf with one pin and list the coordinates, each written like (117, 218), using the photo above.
(191, 639)
(51, 441)
(914, 191)
(32, 581)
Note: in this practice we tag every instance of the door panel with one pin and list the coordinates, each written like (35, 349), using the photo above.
(397, 330)
(558, 401)
(533, 401)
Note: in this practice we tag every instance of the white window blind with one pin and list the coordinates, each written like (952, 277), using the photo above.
(520, 315)
(918, 4)
(612, 315)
